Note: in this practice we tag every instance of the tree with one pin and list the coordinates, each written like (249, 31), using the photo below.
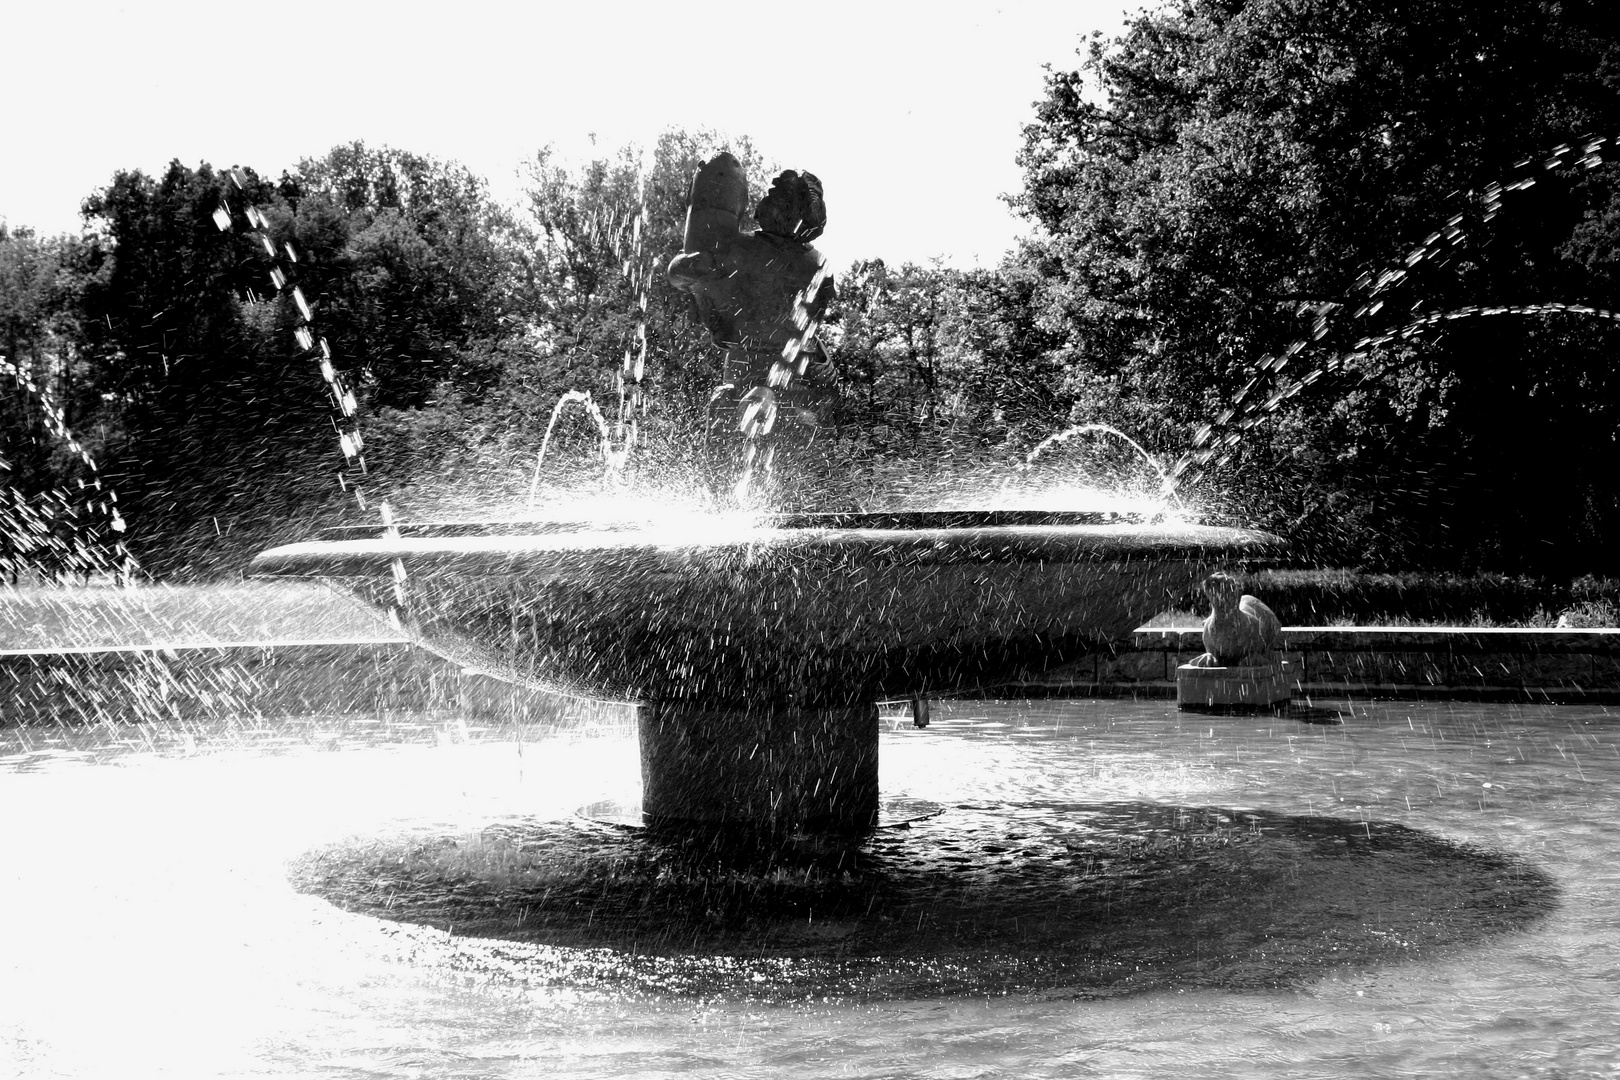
(209, 433)
(1238, 169)
(34, 352)
(163, 300)
(54, 511)
(413, 264)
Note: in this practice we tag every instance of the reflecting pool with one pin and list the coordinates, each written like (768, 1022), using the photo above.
(1114, 889)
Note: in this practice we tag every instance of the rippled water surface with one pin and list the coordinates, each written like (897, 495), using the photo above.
(1426, 888)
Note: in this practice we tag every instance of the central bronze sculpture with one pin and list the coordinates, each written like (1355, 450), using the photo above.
(757, 652)
(762, 295)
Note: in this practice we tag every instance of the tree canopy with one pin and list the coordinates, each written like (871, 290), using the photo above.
(1292, 242)
(1227, 171)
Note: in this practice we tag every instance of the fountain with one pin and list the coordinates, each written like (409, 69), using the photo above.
(758, 645)
(1118, 889)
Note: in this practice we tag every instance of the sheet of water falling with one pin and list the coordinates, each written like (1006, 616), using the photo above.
(151, 929)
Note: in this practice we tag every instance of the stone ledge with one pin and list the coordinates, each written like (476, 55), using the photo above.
(254, 680)
(267, 679)
(1304, 693)
(1471, 639)
(1465, 663)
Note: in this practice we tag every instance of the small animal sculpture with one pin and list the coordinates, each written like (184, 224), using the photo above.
(1240, 630)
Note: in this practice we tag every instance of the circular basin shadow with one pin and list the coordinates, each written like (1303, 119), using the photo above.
(1090, 899)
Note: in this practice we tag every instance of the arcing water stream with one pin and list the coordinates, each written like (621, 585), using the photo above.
(312, 343)
(29, 534)
(1158, 501)
(1372, 292)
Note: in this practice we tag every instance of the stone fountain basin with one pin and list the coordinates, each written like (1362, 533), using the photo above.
(810, 610)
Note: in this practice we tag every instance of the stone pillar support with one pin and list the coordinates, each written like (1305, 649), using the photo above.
(774, 767)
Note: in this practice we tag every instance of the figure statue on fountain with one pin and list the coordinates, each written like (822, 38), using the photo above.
(762, 295)
(1240, 631)
(1242, 665)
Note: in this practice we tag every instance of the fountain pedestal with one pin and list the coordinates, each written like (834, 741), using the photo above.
(774, 766)
(756, 652)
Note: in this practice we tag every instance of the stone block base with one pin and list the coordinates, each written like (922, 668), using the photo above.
(1233, 688)
(773, 768)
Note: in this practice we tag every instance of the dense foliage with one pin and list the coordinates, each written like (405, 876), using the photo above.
(1224, 178)
(1229, 169)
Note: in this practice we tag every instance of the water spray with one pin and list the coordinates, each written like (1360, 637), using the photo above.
(1167, 484)
(1217, 440)
(758, 417)
(615, 457)
(620, 435)
(121, 562)
(313, 345)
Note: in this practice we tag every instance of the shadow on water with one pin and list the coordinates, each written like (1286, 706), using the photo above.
(1083, 899)
(1304, 714)
(1311, 714)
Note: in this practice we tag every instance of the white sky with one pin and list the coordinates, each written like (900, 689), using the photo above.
(909, 112)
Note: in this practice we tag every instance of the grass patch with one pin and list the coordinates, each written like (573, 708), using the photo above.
(1352, 598)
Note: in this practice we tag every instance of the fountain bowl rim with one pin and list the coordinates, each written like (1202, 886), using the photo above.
(926, 537)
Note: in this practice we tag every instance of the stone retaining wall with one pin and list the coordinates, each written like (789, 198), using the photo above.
(379, 677)
(1459, 662)
(254, 681)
